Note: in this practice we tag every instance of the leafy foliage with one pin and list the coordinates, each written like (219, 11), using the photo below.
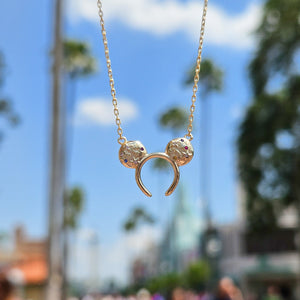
(74, 202)
(269, 150)
(269, 135)
(176, 118)
(279, 40)
(195, 278)
(165, 284)
(211, 77)
(78, 61)
(196, 275)
(137, 217)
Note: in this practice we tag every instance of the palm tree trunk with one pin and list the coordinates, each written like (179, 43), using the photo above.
(66, 264)
(70, 96)
(205, 134)
(71, 100)
(56, 192)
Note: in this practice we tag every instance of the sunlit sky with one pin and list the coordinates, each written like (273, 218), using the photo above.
(153, 43)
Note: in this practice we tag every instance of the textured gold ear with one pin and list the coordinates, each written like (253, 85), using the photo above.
(180, 150)
(131, 153)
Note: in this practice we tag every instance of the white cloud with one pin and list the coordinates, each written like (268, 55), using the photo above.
(171, 16)
(99, 111)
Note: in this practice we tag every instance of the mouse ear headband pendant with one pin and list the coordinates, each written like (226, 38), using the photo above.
(179, 151)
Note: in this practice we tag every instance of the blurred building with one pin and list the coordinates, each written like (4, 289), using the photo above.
(180, 245)
(146, 265)
(25, 264)
(261, 259)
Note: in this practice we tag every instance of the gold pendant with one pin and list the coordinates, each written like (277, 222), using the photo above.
(178, 152)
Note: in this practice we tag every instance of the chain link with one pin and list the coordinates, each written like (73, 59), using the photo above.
(197, 71)
(122, 139)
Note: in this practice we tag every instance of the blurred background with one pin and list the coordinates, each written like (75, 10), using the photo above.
(73, 223)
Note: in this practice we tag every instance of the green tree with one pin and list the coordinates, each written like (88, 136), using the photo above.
(194, 277)
(78, 60)
(210, 78)
(197, 275)
(278, 38)
(74, 203)
(137, 217)
(174, 119)
(269, 135)
(165, 284)
(6, 108)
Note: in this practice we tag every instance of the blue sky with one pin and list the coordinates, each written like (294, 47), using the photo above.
(149, 62)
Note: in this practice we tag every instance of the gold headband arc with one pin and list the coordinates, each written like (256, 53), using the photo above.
(162, 156)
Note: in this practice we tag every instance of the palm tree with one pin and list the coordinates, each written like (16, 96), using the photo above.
(175, 119)
(78, 62)
(211, 80)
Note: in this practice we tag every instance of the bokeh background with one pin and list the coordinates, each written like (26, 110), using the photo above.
(72, 219)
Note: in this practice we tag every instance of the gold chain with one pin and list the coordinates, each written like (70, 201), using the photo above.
(122, 139)
(197, 71)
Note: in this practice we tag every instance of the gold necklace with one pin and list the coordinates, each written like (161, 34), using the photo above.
(179, 151)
